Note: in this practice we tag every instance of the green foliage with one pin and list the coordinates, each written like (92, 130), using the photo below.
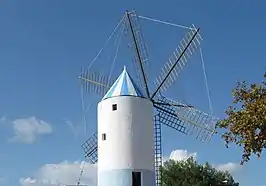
(245, 123)
(190, 173)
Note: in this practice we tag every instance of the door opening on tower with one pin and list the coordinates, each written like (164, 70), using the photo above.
(136, 179)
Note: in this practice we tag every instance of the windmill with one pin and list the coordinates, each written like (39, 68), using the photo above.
(128, 145)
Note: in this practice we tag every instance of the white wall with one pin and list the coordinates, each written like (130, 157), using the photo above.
(129, 132)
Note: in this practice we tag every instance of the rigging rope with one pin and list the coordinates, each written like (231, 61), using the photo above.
(117, 50)
(84, 110)
(166, 23)
(106, 42)
(206, 82)
(81, 172)
(201, 55)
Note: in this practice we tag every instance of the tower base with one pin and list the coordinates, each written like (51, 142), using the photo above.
(126, 177)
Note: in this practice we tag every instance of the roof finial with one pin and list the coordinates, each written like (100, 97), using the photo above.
(125, 68)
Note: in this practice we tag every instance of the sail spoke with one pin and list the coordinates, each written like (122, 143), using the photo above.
(185, 119)
(90, 148)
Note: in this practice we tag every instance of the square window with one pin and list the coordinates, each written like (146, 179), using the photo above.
(103, 136)
(114, 107)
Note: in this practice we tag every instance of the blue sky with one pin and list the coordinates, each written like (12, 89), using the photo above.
(44, 44)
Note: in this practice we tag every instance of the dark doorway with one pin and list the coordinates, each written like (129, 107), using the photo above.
(136, 179)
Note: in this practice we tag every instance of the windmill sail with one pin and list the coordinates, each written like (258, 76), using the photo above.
(181, 117)
(90, 148)
(176, 63)
(185, 119)
(140, 59)
(95, 82)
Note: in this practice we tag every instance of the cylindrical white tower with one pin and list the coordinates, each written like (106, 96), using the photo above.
(125, 136)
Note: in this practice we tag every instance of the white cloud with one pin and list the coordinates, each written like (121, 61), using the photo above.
(26, 130)
(75, 129)
(62, 173)
(68, 172)
(230, 167)
(181, 154)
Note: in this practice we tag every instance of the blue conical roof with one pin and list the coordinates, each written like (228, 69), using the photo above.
(124, 86)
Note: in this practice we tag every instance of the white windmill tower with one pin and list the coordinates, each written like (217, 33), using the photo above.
(129, 133)
(125, 127)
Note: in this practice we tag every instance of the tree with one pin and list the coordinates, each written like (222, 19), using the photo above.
(245, 122)
(190, 173)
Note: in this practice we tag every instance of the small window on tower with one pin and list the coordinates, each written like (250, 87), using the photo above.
(114, 107)
(103, 136)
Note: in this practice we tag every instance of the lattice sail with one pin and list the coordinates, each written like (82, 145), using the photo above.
(169, 118)
(140, 59)
(179, 59)
(201, 124)
(90, 148)
(186, 119)
(95, 82)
